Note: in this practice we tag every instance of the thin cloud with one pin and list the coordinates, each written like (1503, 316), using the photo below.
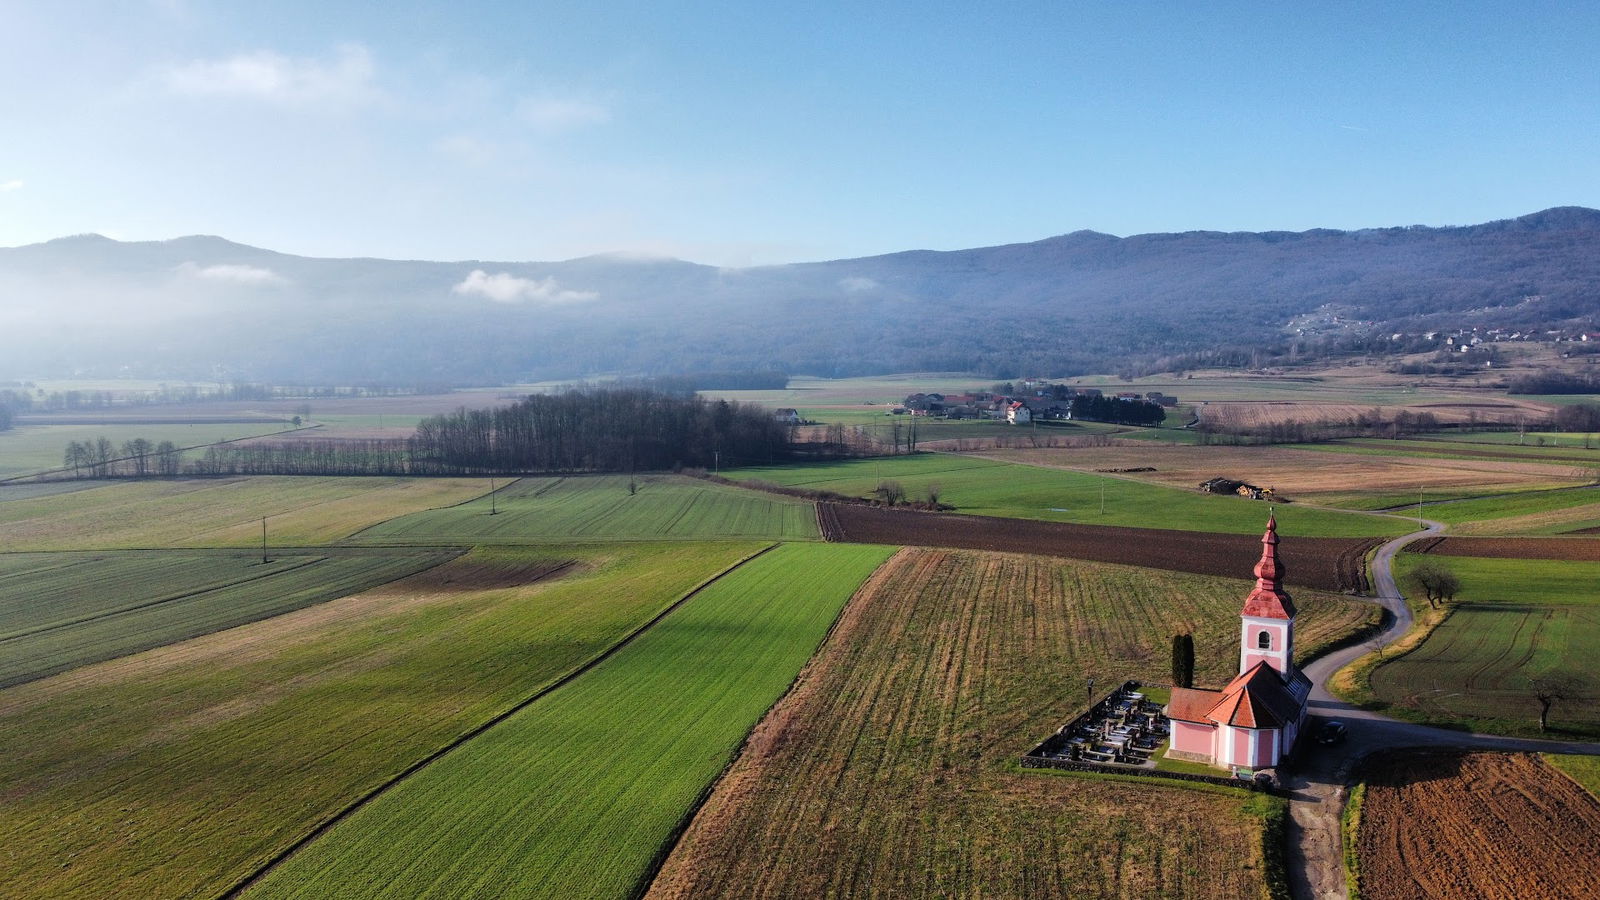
(561, 113)
(855, 284)
(503, 287)
(347, 78)
(228, 273)
(7, 187)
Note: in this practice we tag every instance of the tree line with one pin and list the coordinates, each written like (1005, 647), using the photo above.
(1119, 410)
(602, 430)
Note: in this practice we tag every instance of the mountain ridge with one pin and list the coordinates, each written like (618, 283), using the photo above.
(205, 306)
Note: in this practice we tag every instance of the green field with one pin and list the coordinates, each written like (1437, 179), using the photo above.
(597, 775)
(35, 490)
(221, 512)
(36, 448)
(1531, 508)
(600, 507)
(1585, 770)
(176, 771)
(991, 488)
(1517, 620)
(63, 610)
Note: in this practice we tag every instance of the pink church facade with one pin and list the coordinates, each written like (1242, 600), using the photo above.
(1254, 721)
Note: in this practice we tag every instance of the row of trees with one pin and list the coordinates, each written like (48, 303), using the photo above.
(138, 458)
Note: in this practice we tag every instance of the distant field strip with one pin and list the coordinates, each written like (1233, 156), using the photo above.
(62, 610)
(577, 794)
(889, 770)
(986, 487)
(221, 512)
(178, 771)
(38, 448)
(1333, 564)
(600, 507)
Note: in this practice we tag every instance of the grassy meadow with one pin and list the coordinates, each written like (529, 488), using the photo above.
(1516, 620)
(63, 610)
(987, 487)
(601, 507)
(221, 512)
(1585, 770)
(597, 774)
(890, 769)
(177, 771)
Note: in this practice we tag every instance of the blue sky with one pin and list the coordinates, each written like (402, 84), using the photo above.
(756, 133)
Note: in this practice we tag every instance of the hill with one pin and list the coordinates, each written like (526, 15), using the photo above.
(204, 307)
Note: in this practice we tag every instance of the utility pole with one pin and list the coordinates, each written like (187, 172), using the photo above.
(264, 559)
(716, 462)
(1102, 495)
(1419, 505)
(493, 509)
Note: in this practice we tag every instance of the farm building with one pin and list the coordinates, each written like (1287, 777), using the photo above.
(1017, 414)
(1253, 722)
(787, 415)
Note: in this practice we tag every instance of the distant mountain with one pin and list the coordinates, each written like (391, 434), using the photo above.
(204, 307)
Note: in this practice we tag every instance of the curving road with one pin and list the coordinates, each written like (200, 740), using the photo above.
(1317, 785)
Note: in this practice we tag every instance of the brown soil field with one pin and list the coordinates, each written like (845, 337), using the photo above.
(888, 771)
(1257, 414)
(1331, 564)
(1479, 825)
(1568, 548)
(1293, 472)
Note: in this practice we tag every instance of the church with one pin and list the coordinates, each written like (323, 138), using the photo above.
(1253, 722)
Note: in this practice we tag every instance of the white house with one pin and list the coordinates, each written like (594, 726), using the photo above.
(1017, 414)
(1254, 721)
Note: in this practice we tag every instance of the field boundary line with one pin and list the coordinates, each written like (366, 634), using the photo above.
(252, 878)
(365, 528)
(173, 598)
(647, 878)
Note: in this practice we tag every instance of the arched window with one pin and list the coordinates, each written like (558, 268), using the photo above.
(1264, 640)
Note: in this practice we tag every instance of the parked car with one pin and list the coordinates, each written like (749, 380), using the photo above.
(1332, 732)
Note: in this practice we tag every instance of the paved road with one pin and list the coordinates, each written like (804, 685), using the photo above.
(1318, 787)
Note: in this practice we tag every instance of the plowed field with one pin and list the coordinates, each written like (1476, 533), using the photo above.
(1482, 825)
(1575, 549)
(1332, 564)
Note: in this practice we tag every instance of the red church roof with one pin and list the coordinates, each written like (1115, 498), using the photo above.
(1257, 698)
(1269, 600)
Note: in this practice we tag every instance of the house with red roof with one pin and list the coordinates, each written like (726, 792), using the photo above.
(1253, 722)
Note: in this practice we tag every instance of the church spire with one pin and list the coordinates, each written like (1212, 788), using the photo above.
(1269, 600)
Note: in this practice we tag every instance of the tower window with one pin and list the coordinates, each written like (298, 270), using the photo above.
(1264, 640)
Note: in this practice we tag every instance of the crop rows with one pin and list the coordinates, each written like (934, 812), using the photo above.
(221, 512)
(603, 507)
(175, 772)
(62, 610)
(577, 794)
(1516, 621)
(888, 771)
